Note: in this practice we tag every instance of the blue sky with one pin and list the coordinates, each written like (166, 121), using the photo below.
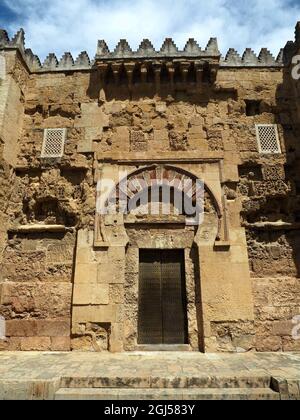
(76, 25)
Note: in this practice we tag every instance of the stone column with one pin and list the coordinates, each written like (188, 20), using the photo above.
(226, 293)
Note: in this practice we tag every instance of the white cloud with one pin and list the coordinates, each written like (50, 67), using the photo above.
(76, 25)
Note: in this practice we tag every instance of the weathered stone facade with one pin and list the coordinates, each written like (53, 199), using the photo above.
(69, 277)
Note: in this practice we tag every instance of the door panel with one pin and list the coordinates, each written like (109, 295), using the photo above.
(150, 321)
(173, 298)
(162, 298)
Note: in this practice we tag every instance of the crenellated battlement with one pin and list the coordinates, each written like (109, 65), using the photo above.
(250, 59)
(168, 50)
(146, 51)
(51, 63)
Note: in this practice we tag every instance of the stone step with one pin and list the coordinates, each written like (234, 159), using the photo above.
(179, 382)
(141, 394)
(178, 348)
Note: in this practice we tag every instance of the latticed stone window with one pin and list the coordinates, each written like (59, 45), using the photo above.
(267, 138)
(54, 142)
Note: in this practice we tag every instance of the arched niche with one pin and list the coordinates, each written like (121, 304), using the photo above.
(142, 179)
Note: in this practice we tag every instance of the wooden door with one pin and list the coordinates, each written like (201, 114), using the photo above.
(162, 298)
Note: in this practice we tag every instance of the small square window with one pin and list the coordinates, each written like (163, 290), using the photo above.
(267, 138)
(54, 143)
(252, 107)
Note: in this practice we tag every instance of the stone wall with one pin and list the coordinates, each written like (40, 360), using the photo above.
(53, 267)
(36, 262)
(12, 85)
(12, 91)
(98, 296)
(36, 290)
(277, 302)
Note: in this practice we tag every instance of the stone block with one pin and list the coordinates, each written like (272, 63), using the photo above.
(54, 328)
(231, 173)
(161, 107)
(282, 328)
(289, 344)
(47, 299)
(85, 145)
(111, 273)
(60, 254)
(85, 238)
(38, 328)
(85, 256)
(116, 338)
(159, 123)
(11, 344)
(238, 254)
(197, 143)
(121, 139)
(197, 130)
(92, 116)
(21, 328)
(268, 344)
(60, 343)
(116, 254)
(160, 140)
(98, 314)
(197, 121)
(86, 273)
(35, 344)
(91, 294)
(116, 293)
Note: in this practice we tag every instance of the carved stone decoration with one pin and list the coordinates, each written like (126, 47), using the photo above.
(51, 62)
(192, 47)
(32, 60)
(249, 57)
(233, 58)
(4, 39)
(100, 240)
(66, 61)
(83, 60)
(19, 40)
(265, 57)
(273, 172)
(143, 180)
(102, 49)
(100, 236)
(146, 48)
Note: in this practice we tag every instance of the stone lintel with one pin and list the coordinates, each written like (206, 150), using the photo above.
(40, 228)
(164, 157)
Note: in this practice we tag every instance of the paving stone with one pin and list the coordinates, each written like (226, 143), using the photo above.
(36, 375)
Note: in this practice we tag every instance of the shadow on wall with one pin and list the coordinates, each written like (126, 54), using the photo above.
(108, 87)
(194, 255)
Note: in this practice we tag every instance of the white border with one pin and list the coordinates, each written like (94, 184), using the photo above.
(2, 67)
